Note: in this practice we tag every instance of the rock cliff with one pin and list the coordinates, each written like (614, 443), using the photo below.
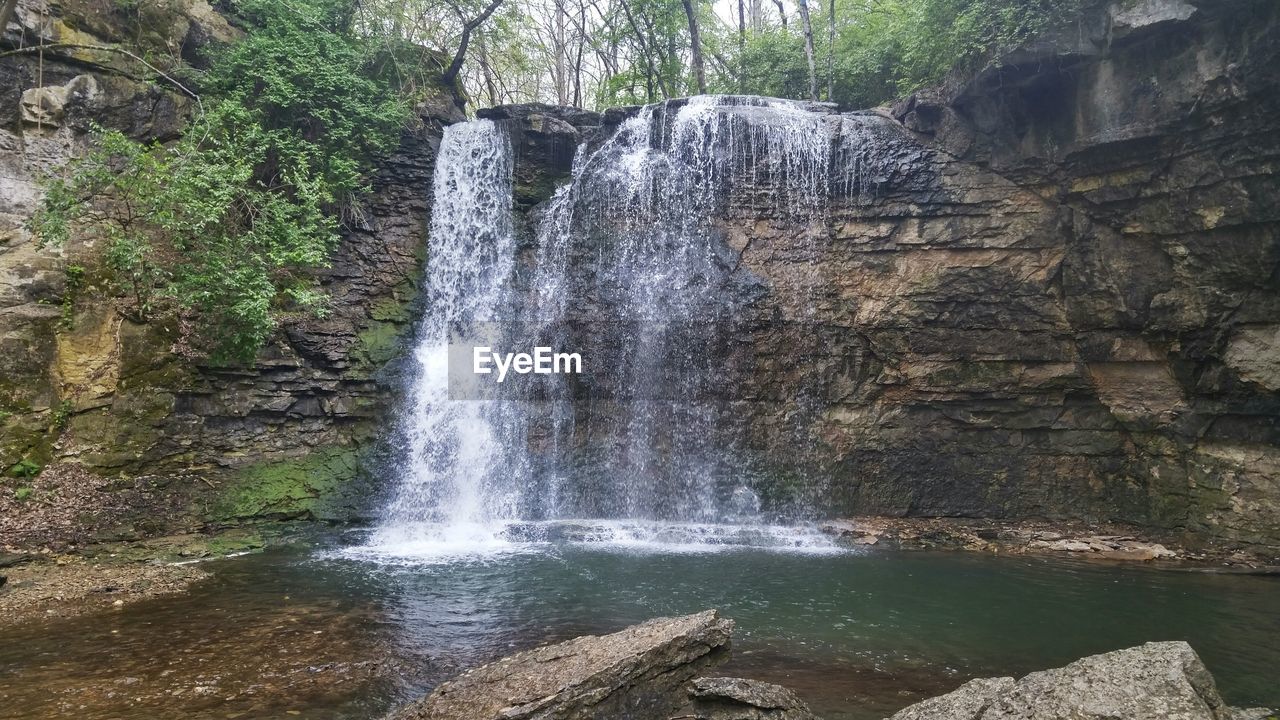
(80, 384)
(1046, 291)
(1053, 294)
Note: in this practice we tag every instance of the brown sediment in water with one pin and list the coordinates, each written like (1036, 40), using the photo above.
(233, 664)
(66, 586)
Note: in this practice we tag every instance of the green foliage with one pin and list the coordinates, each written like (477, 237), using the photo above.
(224, 227)
(887, 48)
(62, 414)
(22, 494)
(74, 282)
(773, 64)
(302, 76)
(659, 67)
(25, 468)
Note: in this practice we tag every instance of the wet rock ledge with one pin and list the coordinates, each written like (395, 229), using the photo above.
(650, 672)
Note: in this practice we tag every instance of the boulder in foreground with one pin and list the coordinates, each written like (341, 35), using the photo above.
(1155, 681)
(636, 674)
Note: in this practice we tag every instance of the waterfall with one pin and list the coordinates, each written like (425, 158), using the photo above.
(628, 265)
(451, 481)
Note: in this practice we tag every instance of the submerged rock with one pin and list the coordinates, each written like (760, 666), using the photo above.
(1155, 681)
(726, 698)
(637, 673)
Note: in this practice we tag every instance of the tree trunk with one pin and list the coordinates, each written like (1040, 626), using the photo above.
(742, 46)
(455, 67)
(782, 13)
(559, 49)
(577, 61)
(695, 44)
(487, 71)
(803, 5)
(649, 55)
(831, 51)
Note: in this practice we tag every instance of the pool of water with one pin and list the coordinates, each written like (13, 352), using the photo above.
(321, 632)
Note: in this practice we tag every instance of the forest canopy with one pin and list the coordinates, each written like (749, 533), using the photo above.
(601, 53)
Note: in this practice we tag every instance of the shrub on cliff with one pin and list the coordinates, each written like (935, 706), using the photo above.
(224, 227)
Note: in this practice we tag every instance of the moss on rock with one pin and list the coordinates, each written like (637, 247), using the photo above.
(379, 343)
(320, 486)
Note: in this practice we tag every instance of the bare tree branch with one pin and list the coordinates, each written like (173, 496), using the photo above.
(455, 67)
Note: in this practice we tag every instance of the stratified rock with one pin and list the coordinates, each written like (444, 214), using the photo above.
(966, 702)
(1155, 681)
(636, 674)
(726, 698)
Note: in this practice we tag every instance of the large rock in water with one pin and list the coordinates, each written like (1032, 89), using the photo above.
(635, 674)
(728, 698)
(1156, 681)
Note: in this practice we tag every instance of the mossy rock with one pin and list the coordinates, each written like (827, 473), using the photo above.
(380, 342)
(321, 486)
(391, 310)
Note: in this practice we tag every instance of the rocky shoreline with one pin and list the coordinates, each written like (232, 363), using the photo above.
(57, 580)
(67, 586)
(1077, 540)
(656, 671)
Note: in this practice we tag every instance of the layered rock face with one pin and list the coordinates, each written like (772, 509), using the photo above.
(80, 383)
(1048, 292)
(1124, 352)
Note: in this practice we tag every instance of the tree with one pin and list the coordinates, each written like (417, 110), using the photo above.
(742, 43)
(831, 51)
(469, 26)
(695, 47)
(803, 5)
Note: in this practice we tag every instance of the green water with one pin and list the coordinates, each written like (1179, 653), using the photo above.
(303, 633)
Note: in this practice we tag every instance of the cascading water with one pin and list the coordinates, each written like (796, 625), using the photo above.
(628, 267)
(451, 487)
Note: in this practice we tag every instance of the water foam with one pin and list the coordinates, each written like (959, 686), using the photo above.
(483, 478)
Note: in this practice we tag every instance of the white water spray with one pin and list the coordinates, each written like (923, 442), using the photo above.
(632, 231)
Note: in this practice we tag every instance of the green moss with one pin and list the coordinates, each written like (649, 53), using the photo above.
(537, 189)
(781, 492)
(390, 310)
(379, 343)
(319, 487)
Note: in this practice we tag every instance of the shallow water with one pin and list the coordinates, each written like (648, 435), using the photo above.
(313, 633)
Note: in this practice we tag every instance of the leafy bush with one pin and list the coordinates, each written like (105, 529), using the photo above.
(224, 226)
(888, 48)
(25, 468)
